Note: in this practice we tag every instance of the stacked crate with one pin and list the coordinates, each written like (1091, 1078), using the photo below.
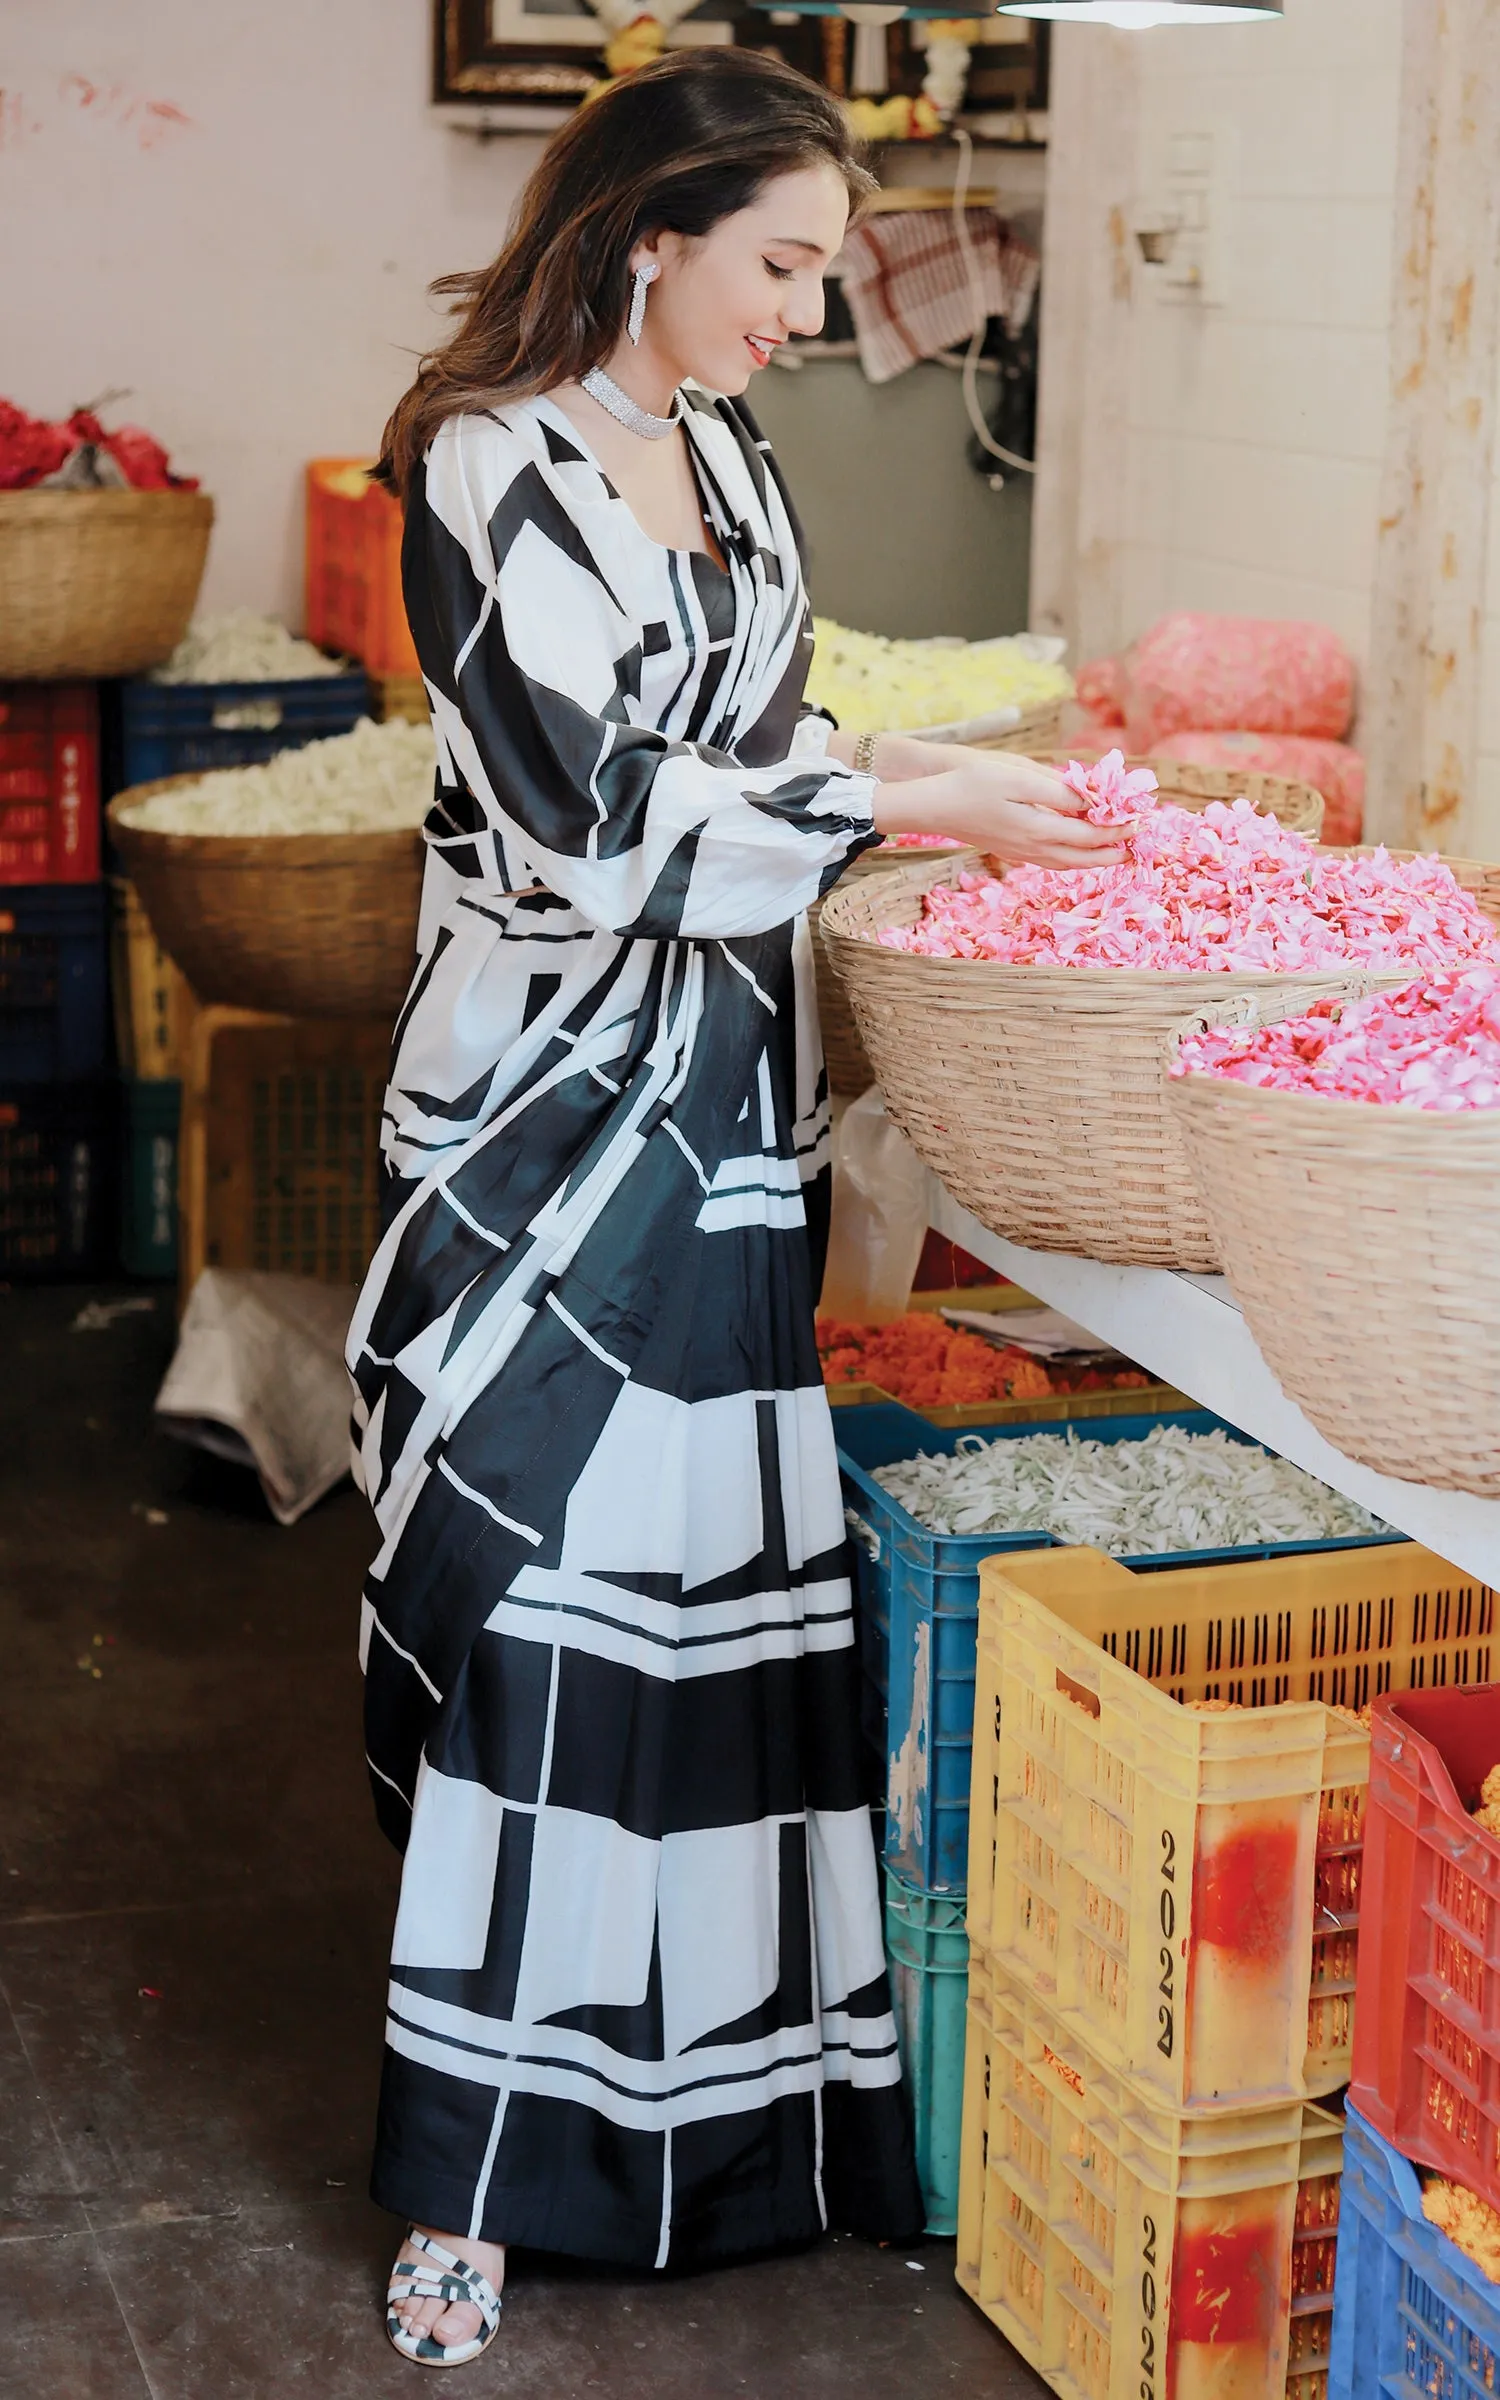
(254, 1140)
(353, 582)
(1412, 2311)
(157, 731)
(1166, 1858)
(919, 1608)
(56, 1099)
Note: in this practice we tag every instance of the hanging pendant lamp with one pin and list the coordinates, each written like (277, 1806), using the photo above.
(1134, 16)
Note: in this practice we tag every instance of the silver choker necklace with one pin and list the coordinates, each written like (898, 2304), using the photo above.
(625, 411)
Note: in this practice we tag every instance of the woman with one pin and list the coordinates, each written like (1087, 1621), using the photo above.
(638, 2008)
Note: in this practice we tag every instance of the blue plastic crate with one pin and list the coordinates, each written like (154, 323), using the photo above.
(193, 728)
(54, 983)
(927, 1955)
(917, 1597)
(57, 1151)
(1412, 2316)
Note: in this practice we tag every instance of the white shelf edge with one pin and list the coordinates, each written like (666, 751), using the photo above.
(1188, 1330)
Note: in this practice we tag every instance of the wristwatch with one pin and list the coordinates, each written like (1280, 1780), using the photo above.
(864, 754)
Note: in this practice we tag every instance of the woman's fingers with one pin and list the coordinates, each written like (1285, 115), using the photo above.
(1031, 784)
(1077, 833)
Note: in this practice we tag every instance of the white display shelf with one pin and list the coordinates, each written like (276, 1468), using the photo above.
(1189, 1331)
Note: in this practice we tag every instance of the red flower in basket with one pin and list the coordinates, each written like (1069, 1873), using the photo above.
(143, 462)
(29, 448)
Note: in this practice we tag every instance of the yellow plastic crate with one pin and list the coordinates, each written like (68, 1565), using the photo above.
(280, 1150)
(1182, 1885)
(153, 1005)
(1130, 2253)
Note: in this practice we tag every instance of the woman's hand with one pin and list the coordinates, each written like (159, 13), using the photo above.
(1014, 809)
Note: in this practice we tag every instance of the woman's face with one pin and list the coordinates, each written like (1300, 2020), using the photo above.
(722, 304)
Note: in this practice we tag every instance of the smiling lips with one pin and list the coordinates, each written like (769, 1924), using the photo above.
(760, 349)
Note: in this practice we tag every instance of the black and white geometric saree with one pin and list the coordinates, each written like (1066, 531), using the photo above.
(638, 2008)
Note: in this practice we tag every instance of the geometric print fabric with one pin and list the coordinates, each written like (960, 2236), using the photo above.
(637, 2008)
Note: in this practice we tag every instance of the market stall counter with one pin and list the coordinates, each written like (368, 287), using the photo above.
(1187, 1330)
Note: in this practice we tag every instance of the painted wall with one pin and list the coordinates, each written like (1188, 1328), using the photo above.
(234, 210)
(1224, 454)
(1257, 425)
(903, 536)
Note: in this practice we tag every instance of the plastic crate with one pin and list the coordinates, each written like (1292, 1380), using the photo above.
(399, 696)
(56, 1181)
(193, 728)
(1413, 2318)
(927, 1953)
(53, 983)
(995, 1299)
(1037, 1415)
(49, 783)
(280, 1148)
(1131, 2253)
(918, 1605)
(354, 602)
(1184, 1885)
(1427, 2050)
(148, 1180)
(153, 1006)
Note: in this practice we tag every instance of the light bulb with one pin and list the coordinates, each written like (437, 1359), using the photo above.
(1135, 16)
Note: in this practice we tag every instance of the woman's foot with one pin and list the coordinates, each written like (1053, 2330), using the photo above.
(451, 2322)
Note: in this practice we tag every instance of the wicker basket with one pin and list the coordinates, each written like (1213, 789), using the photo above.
(299, 925)
(1298, 806)
(1038, 731)
(849, 1070)
(1295, 805)
(97, 583)
(1363, 1245)
(1037, 1094)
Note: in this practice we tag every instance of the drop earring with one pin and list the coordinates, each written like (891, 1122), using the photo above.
(644, 278)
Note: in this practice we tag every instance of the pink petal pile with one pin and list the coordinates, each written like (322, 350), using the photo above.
(1225, 890)
(1433, 1044)
(921, 841)
(1112, 795)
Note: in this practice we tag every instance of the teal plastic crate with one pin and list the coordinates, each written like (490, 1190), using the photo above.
(148, 1225)
(927, 1953)
(1413, 2318)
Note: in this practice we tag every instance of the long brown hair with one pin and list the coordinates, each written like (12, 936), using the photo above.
(676, 147)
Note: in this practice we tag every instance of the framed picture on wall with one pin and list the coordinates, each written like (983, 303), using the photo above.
(533, 56)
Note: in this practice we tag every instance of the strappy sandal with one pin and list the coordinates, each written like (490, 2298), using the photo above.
(450, 2279)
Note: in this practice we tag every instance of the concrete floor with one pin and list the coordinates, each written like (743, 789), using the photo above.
(194, 1912)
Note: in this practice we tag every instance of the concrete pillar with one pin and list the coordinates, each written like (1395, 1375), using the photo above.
(1419, 721)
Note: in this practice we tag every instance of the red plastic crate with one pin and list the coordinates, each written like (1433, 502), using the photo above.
(1426, 2070)
(354, 599)
(49, 783)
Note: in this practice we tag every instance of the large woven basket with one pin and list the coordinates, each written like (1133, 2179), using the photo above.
(849, 1070)
(298, 925)
(1038, 731)
(97, 583)
(1295, 804)
(1363, 1245)
(1037, 1094)
(1298, 806)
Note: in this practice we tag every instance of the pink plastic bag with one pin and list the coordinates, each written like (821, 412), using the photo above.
(1260, 674)
(1099, 690)
(1332, 768)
